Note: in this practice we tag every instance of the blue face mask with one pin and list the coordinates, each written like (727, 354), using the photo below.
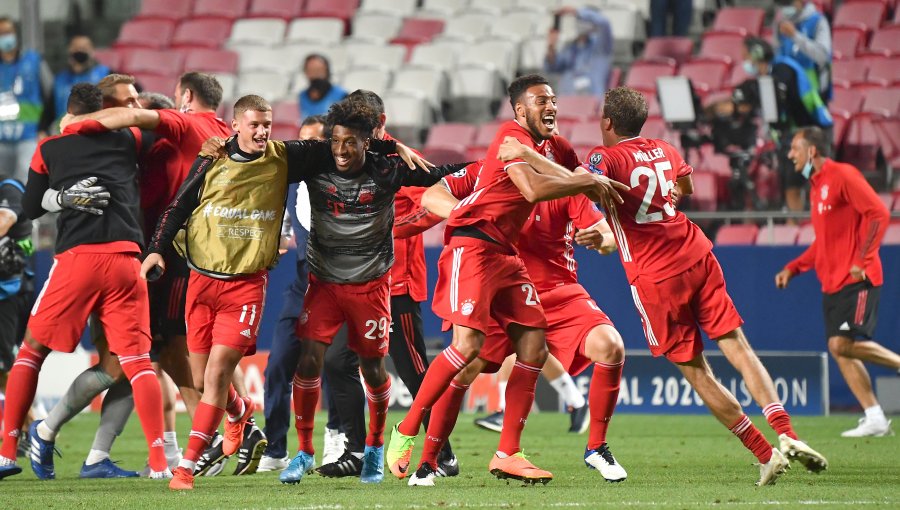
(788, 12)
(807, 168)
(750, 68)
(8, 42)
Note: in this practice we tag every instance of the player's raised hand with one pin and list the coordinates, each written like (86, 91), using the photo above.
(606, 191)
(153, 267)
(85, 196)
(412, 159)
(782, 278)
(511, 149)
(214, 148)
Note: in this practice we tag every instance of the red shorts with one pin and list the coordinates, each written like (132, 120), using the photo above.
(81, 283)
(480, 283)
(672, 310)
(571, 315)
(224, 312)
(365, 307)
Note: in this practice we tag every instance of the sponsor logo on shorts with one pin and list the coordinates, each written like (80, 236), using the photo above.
(467, 307)
(246, 333)
(304, 317)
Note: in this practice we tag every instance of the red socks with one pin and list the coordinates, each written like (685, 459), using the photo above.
(148, 404)
(443, 419)
(779, 419)
(519, 398)
(752, 439)
(206, 420)
(602, 399)
(20, 389)
(442, 370)
(234, 404)
(306, 398)
(378, 399)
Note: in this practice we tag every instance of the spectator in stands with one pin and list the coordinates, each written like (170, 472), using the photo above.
(799, 105)
(25, 83)
(321, 93)
(849, 221)
(584, 63)
(682, 12)
(81, 68)
(804, 35)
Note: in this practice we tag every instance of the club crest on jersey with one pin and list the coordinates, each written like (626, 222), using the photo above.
(467, 307)
(824, 193)
(304, 317)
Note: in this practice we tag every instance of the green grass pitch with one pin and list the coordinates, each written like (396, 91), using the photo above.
(672, 461)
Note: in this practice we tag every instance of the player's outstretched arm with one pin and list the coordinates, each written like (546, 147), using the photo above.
(439, 200)
(119, 118)
(512, 148)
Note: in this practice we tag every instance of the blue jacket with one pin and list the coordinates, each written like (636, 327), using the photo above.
(22, 78)
(309, 107)
(62, 85)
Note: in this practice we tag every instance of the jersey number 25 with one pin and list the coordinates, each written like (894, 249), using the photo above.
(655, 179)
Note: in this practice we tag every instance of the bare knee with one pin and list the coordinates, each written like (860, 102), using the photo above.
(605, 345)
(373, 371)
(840, 346)
(312, 358)
(467, 341)
(470, 373)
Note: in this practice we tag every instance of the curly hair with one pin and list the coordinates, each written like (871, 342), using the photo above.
(354, 115)
(84, 98)
(627, 109)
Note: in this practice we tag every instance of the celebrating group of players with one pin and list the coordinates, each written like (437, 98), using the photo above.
(131, 185)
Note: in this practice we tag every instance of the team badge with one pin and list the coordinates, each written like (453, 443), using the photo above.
(467, 307)
(304, 317)
(824, 192)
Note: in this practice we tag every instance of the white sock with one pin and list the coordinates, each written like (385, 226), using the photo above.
(95, 456)
(236, 418)
(45, 432)
(171, 443)
(6, 462)
(565, 386)
(875, 413)
(358, 455)
(187, 464)
(502, 387)
(501, 454)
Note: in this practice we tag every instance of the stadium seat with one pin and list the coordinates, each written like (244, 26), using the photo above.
(886, 74)
(847, 73)
(446, 7)
(841, 123)
(642, 75)
(806, 235)
(217, 9)
(284, 131)
(485, 133)
(468, 26)
(286, 112)
(270, 85)
(428, 81)
(418, 30)
(627, 27)
(705, 195)
(441, 55)
(388, 56)
(170, 10)
(156, 83)
(376, 26)
(729, 235)
(211, 61)
(473, 90)
(706, 76)
(886, 40)
(847, 99)
(538, 5)
(892, 235)
(887, 199)
(149, 33)
(724, 46)
(846, 42)
(497, 54)
(888, 133)
(261, 31)
(585, 133)
(202, 33)
(516, 25)
(778, 235)
(325, 31)
(343, 9)
(407, 115)
(615, 77)
(158, 62)
(866, 15)
(450, 134)
(264, 58)
(655, 128)
(736, 77)
(446, 154)
(284, 9)
(396, 8)
(676, 48)
(110, 57)
(578, 108)
(532, 53)
(742, 20)
(882, 101)
(861, 143)
(228, 82)
(376, 80)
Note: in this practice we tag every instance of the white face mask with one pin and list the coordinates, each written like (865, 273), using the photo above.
(750, 68)
(788, 12)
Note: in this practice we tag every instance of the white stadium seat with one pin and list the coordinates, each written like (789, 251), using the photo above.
(376, 26)
(263, 31)
(272, 86)
(388, 56)
(376, 80)
(398, 8)
(430, 82)
(316, 30)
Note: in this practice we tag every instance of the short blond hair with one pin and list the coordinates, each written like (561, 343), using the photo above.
(108, 84)
(251, 102)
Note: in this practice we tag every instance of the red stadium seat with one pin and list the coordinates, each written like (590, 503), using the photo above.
(736, 235)
(886, 74)
(156, 83)
(284, 131)
(847, 73)
(217, 9)
(577, 108)
(450, 134)
(742, 20)
(446, 154)
(737, 76)
(286, 112)
(145, 34)
(705, 196)
(886, 40)
(110, 57)
(866, 15)
(706, 76)
(418, 30)
(677, 48)
(727, 47)
(892, 235)
(343, 9)
(778, 235)
(846, 99)
(887, 199)
(485, 133)
(846, 42)
(586, 133)
(158, 62)
(210, 61)
(882, 101)
(888, 133)
(204, 33)
(284, 9)
(841, 122)
(615, 77)
(172, 10)
(806, 235)
(642, 75)
(861, 143)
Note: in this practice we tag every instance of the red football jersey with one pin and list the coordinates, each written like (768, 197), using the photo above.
(496, 206)
(655, 240)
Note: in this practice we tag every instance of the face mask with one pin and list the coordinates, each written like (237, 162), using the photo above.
(750, 68)
(319, 87)
(79, 57)
(788, 12)
(807, 168)
(8, 42)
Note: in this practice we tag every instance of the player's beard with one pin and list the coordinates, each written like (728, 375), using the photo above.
(536, 126)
